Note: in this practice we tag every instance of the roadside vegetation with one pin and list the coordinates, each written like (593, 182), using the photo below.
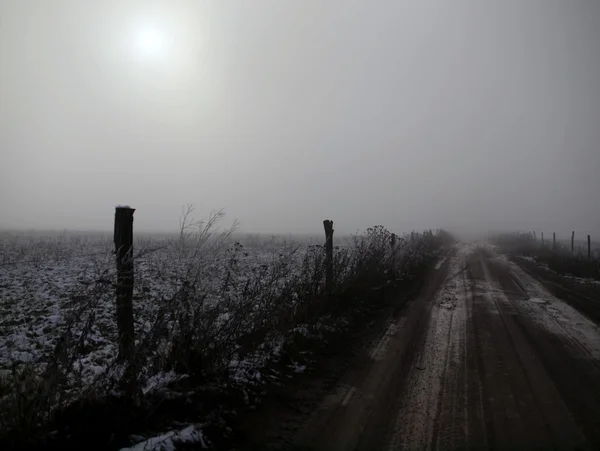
(555, 256)
(217, 321)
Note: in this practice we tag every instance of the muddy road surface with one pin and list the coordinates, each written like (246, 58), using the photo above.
(487, 357)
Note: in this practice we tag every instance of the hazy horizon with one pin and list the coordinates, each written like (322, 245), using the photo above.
(470, 116)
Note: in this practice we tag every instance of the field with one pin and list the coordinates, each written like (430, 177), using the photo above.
(214, 312)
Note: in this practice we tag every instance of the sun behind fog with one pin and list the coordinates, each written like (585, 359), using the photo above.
(150, 42)
(160, 47)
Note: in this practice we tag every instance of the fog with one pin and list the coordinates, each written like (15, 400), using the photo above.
(470, 115)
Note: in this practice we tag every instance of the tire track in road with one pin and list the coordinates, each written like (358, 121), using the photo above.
(523, 373)
(358, 413)
(451, 429)
(570, 379)
(584, 297)
(485, 358)
(503, 377)
(496, 389)
(433, 405)
(558, 316)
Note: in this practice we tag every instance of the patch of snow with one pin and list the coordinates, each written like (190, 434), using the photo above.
(529, 259)
(582, 280)
(555, 315)
(169, 441)
(161, 381)
(537, 300)
(297, 367)
(443, 340)
(440, 263)
(380, 348)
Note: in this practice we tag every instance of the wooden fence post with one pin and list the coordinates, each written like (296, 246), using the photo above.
(573, 242)
(393, 257)
(554, 241)
(542, 239)
(123, 239)
(534, 237)
(589, 248)
(328, 255)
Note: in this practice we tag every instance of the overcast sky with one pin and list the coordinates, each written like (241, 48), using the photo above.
(411, 114)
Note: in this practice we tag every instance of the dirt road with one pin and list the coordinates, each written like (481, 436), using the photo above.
(487, 357)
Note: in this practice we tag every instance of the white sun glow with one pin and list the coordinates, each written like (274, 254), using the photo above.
(150, 42)
(160, 47)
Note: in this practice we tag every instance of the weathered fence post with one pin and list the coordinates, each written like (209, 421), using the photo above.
(573, 242)
(123, 239)
(589, 248)
(554, 241)
(542, 239)
(393, 257)
(328, 255)
(534, 237)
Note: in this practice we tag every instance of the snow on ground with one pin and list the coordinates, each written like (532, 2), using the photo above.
(557, 316)
(59, 292)
(446, 324)
(53, 283)
(581, 280)
(552, 313)
(527, 258)
(39, 291)
(169, 441)
(440, 263)
(49, 285)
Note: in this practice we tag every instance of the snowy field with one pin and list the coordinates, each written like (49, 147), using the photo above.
(53, 282)
(48, 281)
(41, 280)
(211, 289)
